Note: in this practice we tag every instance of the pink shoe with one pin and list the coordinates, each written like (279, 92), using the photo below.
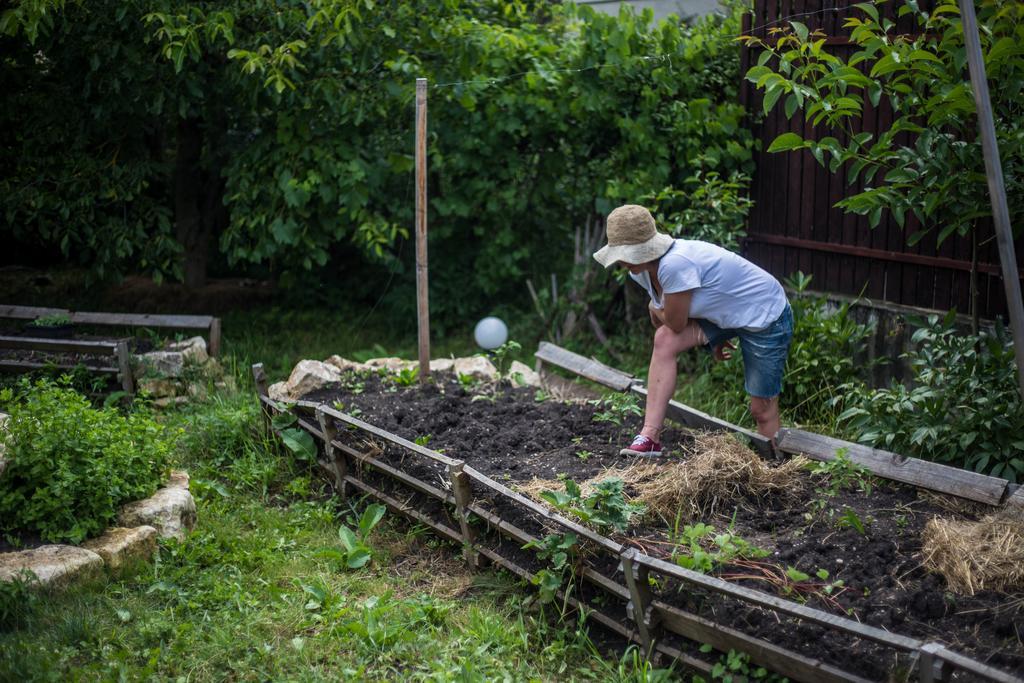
(642, 446)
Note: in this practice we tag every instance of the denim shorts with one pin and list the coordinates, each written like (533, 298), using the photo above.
(764, 352)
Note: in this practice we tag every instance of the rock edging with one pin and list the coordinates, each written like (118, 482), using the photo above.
(168, 513)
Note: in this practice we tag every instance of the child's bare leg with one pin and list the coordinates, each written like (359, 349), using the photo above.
(661, 376)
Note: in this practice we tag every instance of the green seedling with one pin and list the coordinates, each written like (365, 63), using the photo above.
(467, 381)
(406, 377)
(617, 408)
(850, 520)
(540, 396)
(503, 356)
(584, 455)
(842, 473)
(606, 507)
(423, 440)
(355, 551)
(705, 551)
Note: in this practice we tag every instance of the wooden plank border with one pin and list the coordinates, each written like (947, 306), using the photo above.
(591, 369)
(211, 324)
(930, 475)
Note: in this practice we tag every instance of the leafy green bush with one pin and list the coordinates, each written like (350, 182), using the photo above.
(962, 407)
(70, 465)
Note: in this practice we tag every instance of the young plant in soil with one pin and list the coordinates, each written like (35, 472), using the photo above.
(606, 507)
(561, 552)
(704, 551)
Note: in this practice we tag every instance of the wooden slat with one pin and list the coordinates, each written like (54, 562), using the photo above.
(387, 436)
(403, 509)
(754, 597)
(930, 475)
(987, 672)
(103, 348)
(407, 479)
(588, 368)
(184, 322)
(696, 419)
(772, 657)
(600, 540)
(27, 366)
(30, 312)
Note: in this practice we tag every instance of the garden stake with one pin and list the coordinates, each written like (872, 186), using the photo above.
(259, 378)
(996, 185)
(640, 599)
(463, 499)
(422, 304)
(336, 463)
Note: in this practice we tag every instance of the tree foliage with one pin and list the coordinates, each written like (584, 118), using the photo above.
(149, 134)
(929, 162)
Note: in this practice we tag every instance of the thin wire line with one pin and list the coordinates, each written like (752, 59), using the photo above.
(500, 79)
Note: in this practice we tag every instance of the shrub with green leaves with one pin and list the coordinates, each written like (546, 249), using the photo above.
(70, 466)
(606, 507)
(962, 407)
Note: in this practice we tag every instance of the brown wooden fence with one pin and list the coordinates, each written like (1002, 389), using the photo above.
(794, 225)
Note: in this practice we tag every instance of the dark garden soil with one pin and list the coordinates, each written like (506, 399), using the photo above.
(513, 438)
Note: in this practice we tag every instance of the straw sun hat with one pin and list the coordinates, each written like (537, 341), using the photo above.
(632, 237)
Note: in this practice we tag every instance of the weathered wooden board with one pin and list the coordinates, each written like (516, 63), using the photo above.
(696, 419)
(755, 597)
(403, 509)
(27, 366)
(589, 368)
(184, 322)
(772, 657)
(30, 312)
(101, 348)
(967, 664)
(388, 436)
(930, 475)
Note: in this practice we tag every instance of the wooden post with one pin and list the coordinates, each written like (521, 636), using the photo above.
(996, 186)
(337, 463)
(215, 337)
(260, 379)
(422, 300)
(640, 598)
(124, 367)
(463, 498)
(931, 668)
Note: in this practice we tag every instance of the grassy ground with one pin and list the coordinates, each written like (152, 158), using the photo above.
(252, 594)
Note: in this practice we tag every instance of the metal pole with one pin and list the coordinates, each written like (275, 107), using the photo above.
(996, 186)
(422, 304)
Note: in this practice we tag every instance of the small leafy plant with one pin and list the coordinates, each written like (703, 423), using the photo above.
(52, 320)
(617, 408)
(297, 440)
(606, 507)
(406, 377)
(705, 551)
(356, 551)
(503, 356)
(560, 551)
(70, 466)
(842, 473)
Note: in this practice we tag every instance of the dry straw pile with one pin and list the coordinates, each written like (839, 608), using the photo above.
(973, 556)
(719, 472)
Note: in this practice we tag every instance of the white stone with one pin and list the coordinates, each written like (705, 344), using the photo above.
(476, 367)
(169, 401)
(442, 364)
(193, 350)
(278, 391)
(523, 375)
(310, 375)
(344, 364)
(171, 510)
(53, 565)
(161, 363)
(391, 364)
(121, 546)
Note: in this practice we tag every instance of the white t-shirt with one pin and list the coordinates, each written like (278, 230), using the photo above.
(728, 290)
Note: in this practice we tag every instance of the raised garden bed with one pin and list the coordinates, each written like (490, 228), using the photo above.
(890, 618)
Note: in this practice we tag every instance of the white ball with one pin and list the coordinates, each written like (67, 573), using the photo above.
(490, 333)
